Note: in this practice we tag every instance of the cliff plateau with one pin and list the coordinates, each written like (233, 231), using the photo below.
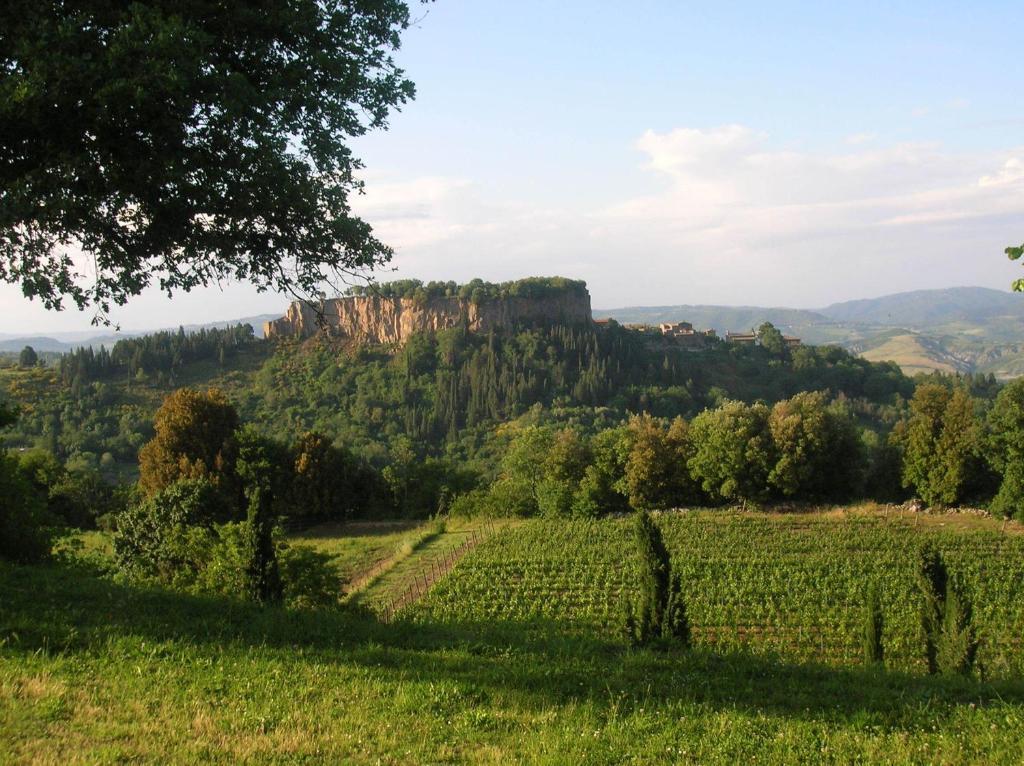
(392, 320)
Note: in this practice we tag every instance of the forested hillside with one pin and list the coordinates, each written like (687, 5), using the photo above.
(418, 425)
(441, 393)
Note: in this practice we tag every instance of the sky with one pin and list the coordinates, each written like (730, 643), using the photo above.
(783, 154)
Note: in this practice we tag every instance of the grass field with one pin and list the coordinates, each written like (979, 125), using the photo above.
(359, 549)
(95, 671)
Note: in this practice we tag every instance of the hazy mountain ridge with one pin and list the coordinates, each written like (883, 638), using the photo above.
(921, 308)
(64, 342)
(959, 329)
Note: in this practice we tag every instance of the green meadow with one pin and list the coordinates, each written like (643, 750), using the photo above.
(512, 656)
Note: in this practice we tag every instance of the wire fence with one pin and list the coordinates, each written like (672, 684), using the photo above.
(431, 571)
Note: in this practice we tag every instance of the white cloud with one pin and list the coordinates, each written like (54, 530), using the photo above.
(856, 139)
(733, 219)
(726, 217)
(728, 181)
(414, 213)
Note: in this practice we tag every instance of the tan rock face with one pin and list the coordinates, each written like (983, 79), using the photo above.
(371, 319)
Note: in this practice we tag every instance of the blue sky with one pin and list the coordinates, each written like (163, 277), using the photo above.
(666, 152)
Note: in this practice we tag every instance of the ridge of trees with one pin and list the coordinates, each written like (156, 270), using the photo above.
(476, 290)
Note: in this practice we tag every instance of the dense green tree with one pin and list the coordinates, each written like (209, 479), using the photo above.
(656, 474)
(323, 479)
(941, 444)
(883, 463)
(733, 452)
(564, 468)
(818, 447)
(28, 357)
(770, 338)
(75, 497)
(195, 437)
(602, 489)
(8, 414)
(1004, 448)
(181, 143)
(26, 529)
(524, 465)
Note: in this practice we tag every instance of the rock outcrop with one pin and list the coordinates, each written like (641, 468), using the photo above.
(375, 319)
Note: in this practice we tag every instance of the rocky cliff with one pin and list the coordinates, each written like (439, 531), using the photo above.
(375, 319)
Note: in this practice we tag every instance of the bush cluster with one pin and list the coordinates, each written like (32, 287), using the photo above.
(949, 448)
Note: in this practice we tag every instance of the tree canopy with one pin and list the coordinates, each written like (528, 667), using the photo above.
(1014, 254)
(182, 143)
(941, 444)
(194, 439)
(28, 357)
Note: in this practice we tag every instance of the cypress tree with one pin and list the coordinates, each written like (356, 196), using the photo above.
(675, 623)
(660, 611)
(932, 579)
(653, 578)
(264, 579)
(874, 652)
(958, 647)
(950, 642)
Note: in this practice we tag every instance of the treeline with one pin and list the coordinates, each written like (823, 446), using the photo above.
(160, 354)
(447, 391)
(435, 405)
(476, 291)
(213, 496)
(199, 435)
(949, 448)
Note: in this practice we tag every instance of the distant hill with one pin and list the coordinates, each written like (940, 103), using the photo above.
(39, 343)
(721, 318)
(64, 342)
(923, 308)
(960, 329)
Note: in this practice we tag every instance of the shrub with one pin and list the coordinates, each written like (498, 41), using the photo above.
(476, 502)
(223, 568)
(152, 538)
(26, 528)
(308, 577)
(554, 497)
